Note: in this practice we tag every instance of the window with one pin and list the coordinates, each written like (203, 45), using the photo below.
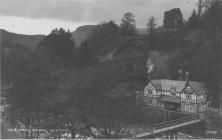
(150, 93)
(173, 93)
(188, 107)
(188, 96)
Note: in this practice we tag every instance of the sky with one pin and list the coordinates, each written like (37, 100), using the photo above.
(41, 16)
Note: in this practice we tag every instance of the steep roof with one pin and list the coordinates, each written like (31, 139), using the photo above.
(166, 85)
(199, 87)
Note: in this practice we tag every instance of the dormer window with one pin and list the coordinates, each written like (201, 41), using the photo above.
(188, 88)
(173, 91)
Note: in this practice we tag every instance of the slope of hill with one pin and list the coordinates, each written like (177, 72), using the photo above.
(82, 33)
(123, 48)
(135, 54)
(29, 41)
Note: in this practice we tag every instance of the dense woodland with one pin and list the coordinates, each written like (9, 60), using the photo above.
(59, 85)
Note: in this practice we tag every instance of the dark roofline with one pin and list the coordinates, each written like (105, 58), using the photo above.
(178, 81)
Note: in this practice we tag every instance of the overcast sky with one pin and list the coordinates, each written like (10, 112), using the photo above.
(41, 16)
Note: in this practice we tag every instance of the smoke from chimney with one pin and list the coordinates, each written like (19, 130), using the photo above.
(150, 68)
(187, 78)
(150, 65)
(157, 64)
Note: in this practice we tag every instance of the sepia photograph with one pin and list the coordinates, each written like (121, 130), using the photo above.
(111, 69)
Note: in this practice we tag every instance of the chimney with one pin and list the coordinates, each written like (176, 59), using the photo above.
(180, 74)
(187, 78)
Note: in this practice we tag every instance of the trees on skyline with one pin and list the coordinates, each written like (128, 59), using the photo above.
(151, 25)
(173, 19)
(128, 24)
(193, 22)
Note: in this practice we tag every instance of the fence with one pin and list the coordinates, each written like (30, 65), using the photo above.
(150, 130)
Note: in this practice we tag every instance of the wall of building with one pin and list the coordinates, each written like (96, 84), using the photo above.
(190, 107)
(154, 101)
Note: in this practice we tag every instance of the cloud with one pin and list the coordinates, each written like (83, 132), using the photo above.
(54, 9)
(93, 11)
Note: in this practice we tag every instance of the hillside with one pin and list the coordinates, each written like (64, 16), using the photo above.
(185, 51)
(133, 54)
(82, 33)
(30, 41)
(123, 48)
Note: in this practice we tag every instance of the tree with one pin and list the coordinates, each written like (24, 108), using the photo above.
(193, 22)
(43, 98)
(106, 110)
(151, 25)
(13, 58)
(173, 19)
(60, 44)
(34, 93)
(207, 4)
(200, 6)
(151, 29)
(103, 33)
(128, 23)
(27, 103)
(212, 16)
